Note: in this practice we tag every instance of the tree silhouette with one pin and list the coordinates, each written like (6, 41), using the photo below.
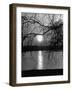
(51, 27)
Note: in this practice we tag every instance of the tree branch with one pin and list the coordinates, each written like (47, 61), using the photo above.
(48, 29)
(33, 21)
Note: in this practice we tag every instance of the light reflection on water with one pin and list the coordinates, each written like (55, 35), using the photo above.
(40, 60)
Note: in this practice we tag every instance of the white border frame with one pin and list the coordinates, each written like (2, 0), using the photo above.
(63, 77)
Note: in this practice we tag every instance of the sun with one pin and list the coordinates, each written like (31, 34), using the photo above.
(39, 38)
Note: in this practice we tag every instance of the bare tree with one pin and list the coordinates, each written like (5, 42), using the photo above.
(32, 26)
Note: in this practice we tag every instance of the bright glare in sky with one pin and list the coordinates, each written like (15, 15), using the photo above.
(39, 38)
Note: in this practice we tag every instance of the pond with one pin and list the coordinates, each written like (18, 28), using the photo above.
(39, 60)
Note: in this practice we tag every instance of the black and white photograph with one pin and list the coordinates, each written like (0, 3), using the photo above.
(42, 44)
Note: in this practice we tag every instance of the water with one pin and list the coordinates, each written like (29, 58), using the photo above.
(39, 60)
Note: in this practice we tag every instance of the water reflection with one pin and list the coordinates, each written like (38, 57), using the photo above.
(40, 60)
